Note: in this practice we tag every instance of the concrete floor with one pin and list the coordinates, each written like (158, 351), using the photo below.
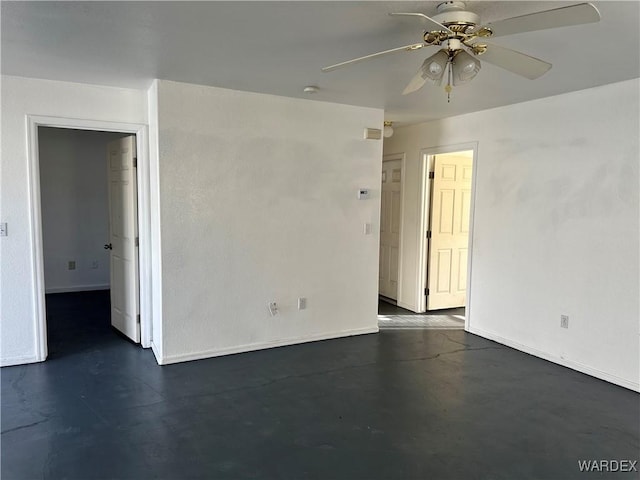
(387, 308)
(390, 316)
(396, 405)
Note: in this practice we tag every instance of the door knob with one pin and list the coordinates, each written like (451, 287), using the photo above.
(107, 246)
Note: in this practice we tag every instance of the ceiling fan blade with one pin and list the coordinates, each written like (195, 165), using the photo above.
(429, 23)
(416, 83)
(578, 14)
(408, 48)
(516, 62)
(433, 69)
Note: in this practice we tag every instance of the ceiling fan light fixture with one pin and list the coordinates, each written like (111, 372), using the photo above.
(434, 67)
(465, 67)
(455, 30)
(388, 129)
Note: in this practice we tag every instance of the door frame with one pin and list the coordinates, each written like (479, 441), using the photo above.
(426, 165)
(403, 161)
(144, 218)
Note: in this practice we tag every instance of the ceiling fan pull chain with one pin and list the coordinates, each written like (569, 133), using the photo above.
(448, 88)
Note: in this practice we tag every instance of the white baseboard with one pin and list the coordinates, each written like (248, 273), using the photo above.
(77, 288)
(580, 367)
(156, 353)
(261, 346)
(8, 362)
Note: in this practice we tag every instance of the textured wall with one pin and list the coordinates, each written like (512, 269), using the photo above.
(556, 225)
(258, 203)
(75, 208)
(22, 96)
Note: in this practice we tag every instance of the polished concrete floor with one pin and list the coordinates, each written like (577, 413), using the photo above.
(390, 316)
(395, 405)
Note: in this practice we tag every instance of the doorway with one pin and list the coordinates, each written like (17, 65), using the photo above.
(433, 267)
(447, 206)
(390, 227)
(92, 266)
(82, 208)
(450, 178)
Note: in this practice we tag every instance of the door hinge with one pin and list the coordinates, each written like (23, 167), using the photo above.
(138, 319)
(137, 241)
(135, 162)
(428, 233)
(426, 291)
(432, 175)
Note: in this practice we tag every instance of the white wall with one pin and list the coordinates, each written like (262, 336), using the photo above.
(154, 220)
(20, 97)
(258, 203)
(556, 225)
(75, 208)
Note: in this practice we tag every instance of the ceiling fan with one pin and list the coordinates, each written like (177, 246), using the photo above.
(462, 38)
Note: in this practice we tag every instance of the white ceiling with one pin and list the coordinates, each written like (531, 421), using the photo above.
(279, 47)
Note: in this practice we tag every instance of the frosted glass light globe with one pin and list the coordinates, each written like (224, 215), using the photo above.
(435, 68)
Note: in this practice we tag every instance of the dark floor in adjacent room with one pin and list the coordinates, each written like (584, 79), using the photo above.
(420, 404)
(386, 307)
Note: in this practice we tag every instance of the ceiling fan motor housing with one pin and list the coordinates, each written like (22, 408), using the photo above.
(458, 19)
(460, 22)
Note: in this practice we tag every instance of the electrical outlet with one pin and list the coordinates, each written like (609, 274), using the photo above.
(273, 308)
(302, 303)
(72, 265)
(564, 321)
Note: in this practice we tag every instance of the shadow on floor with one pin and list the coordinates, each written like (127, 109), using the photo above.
(79, 322)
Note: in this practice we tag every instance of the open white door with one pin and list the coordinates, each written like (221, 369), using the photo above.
(450, 215)
(390, 212)
(123, 237)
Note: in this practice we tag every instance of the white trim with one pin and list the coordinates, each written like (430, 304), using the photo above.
(426, 157)
(145, 272)
(186, 357)
(424, 204)
(140, 131)
(403, 167)
(76, 288)
(153, 252)
(472, 215)
(37, 260)
(8, 362)
(579, 367)
(156, 353)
